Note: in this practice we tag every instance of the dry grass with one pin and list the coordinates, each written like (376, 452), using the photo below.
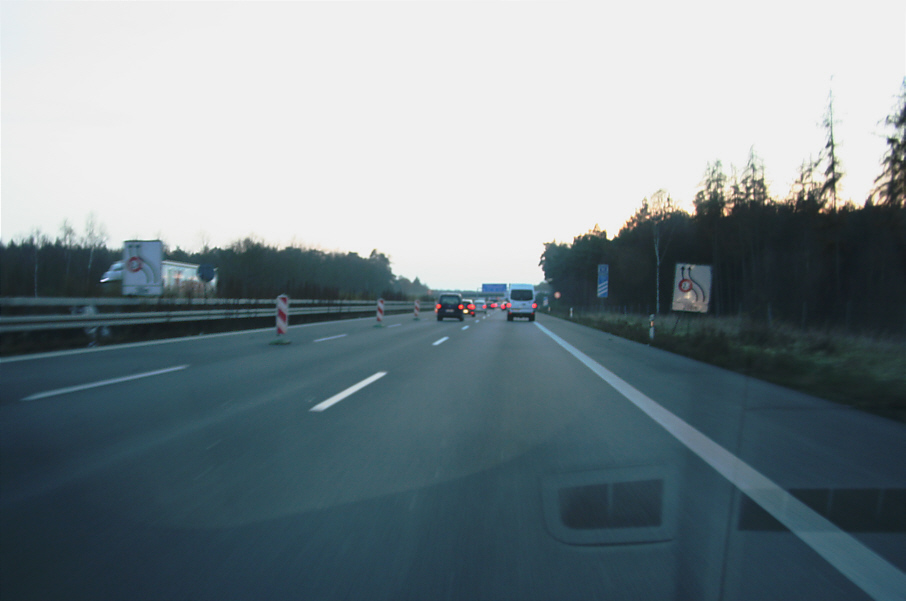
(865, 372)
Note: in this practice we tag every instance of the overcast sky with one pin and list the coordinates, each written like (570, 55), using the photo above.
(455, 137)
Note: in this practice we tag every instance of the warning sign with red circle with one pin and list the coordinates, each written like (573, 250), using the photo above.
(142, 274)
(692, 288)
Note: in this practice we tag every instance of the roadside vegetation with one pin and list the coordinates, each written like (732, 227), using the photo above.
(863, 372)
(806, 257)
(808, 288)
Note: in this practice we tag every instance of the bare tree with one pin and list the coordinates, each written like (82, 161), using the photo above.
(68, 239)
(37, 240)
(660, 209)
(95, 237)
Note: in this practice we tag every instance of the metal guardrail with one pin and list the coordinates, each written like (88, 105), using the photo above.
(85, 313)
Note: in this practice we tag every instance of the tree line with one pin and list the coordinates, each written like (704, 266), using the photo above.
(72, 266)
(806, 259)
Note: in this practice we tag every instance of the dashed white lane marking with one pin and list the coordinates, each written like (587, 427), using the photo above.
(351, 390)
(441, 341)
(330, 338)
(59, 391)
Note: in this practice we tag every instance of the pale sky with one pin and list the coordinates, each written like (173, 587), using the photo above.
(455, 137)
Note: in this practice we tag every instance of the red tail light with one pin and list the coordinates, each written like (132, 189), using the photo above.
(534, 305)
(460, 307)
(437, 308)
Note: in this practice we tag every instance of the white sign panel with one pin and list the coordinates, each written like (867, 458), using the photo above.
(141, 267)
(692, 288)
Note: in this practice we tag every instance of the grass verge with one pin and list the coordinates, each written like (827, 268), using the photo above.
(861, 372)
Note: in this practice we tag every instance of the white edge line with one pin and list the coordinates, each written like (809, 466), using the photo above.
(441, 341)
(59, 391)
(866, 569)
(330, 338)
(128, 345)
(351, 390)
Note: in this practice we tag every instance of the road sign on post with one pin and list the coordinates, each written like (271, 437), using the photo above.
(692, 288)
(603, 280)
(142, 274)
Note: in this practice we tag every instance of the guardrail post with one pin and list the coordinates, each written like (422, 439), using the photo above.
(416, 309)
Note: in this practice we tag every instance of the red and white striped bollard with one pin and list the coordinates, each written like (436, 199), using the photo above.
(282, 319)
(380, 313)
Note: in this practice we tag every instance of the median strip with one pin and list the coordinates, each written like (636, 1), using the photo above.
(351, 390)
(59, 391)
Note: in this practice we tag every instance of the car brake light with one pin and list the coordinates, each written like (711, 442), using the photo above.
(438, 306)
(460, 307)
(534, 305)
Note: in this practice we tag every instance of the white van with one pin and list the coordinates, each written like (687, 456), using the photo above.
(521, 301)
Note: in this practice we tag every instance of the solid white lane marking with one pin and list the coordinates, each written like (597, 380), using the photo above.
(351, 390)
(865, 568)
(441, 341)
(330, 338)
(44, 395)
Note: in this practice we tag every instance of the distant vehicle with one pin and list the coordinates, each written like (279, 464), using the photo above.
(468, 306)
(449, 305)
(481, 304)
(113, 274)
(521, 302)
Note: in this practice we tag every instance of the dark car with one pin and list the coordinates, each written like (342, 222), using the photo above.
(449, 305)
(468, 306)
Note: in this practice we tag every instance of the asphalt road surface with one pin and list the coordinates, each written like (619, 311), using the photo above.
(436, 460)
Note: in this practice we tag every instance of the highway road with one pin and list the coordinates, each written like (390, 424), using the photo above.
(436, 460)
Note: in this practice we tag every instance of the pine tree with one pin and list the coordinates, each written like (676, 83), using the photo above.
(890, 186)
